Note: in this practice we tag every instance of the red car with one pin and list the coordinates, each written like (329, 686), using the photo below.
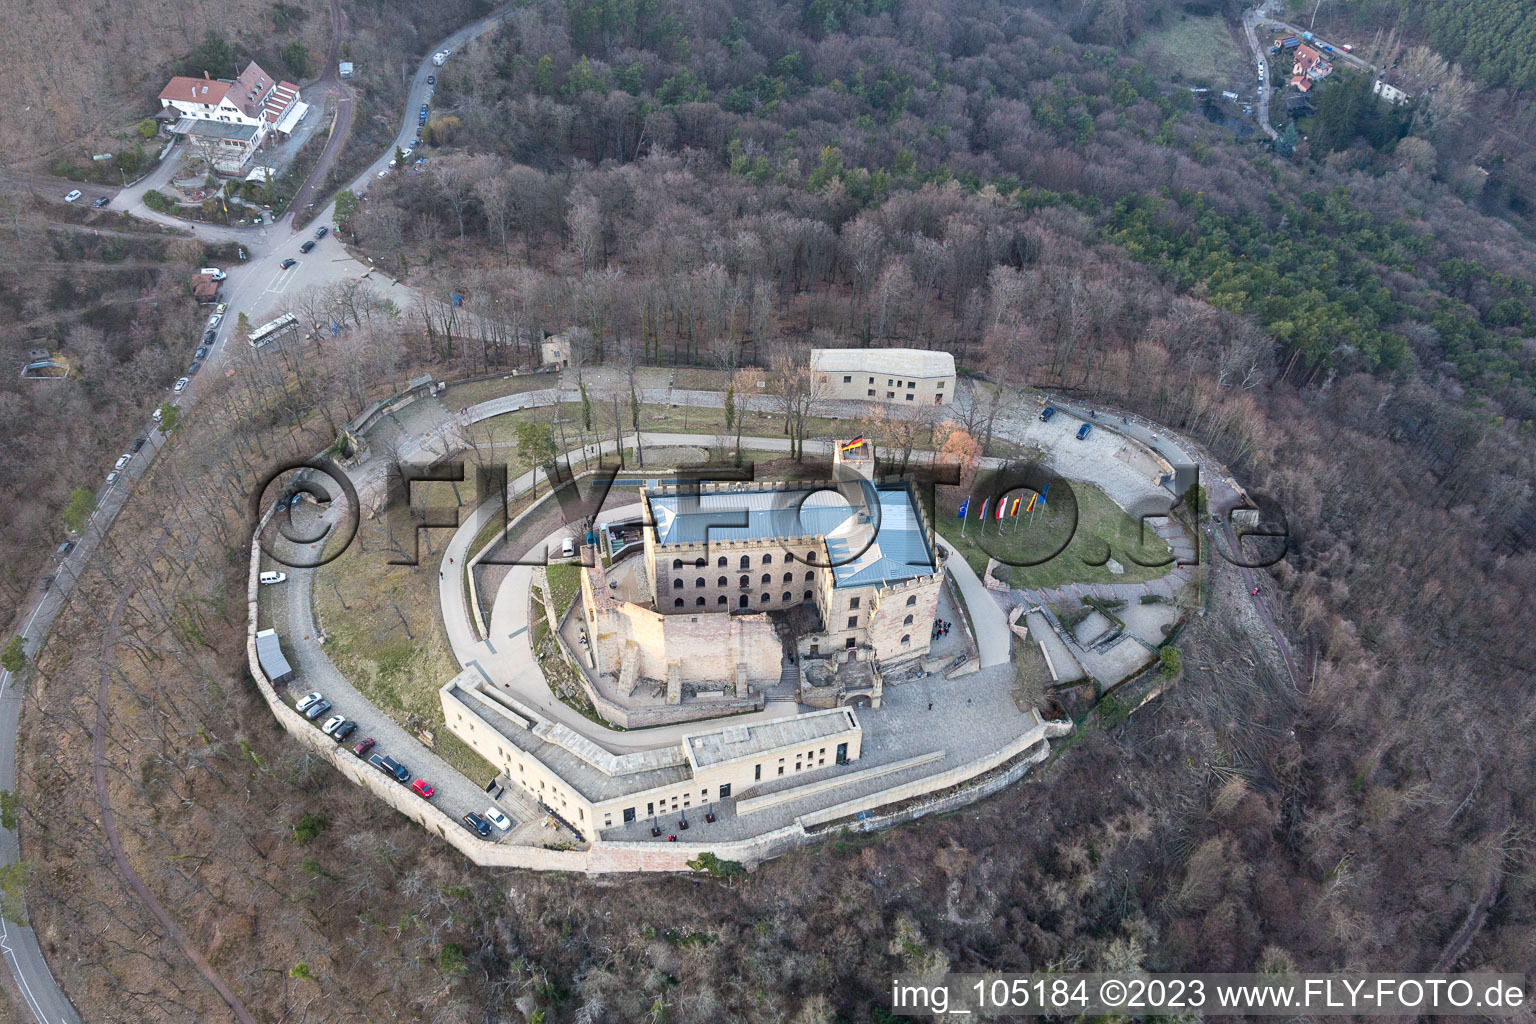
(423, 789)
(361, 750)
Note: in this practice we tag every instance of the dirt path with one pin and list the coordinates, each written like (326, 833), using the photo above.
(109, 822)
(1261, 605)
(328, 84)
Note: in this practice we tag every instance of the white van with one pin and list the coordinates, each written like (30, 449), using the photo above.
(214, 272)
(567, 548)
(268, 578)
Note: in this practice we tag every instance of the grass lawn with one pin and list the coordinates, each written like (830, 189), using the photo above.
(1200, 49)
(682, 419)
(697, 378)
(461, 396)
(1100, 522)
(564, 582)
(382, 633)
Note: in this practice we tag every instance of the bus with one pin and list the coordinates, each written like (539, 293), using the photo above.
(280, 328)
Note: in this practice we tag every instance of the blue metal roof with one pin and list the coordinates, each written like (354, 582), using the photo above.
(897, 550)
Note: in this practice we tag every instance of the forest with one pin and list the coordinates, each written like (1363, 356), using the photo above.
(724, 184)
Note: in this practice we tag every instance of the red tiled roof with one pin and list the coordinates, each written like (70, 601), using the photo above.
(194, 90)
(279, 100)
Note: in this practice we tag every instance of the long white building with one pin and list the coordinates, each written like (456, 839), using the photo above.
(899, 376)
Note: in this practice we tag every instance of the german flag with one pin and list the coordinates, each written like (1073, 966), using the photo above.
(851, 445)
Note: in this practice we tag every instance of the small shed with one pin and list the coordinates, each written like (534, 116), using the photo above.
(269, 652)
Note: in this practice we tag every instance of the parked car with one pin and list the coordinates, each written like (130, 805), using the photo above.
(307, 246)
(385, 172)
(63, 550)
(423, 789)
(361, 750)
(316, 710)
(1084, 430)
(1047, 413)
(181, 385)
(221, 307)
(48, 582)
(322, 231)
(156, 415)
(269, 578)
(74, 194)
(395, 768)
(112, 477)
(341, 734)
(307, 701)
(332, 724)
(477, 824)
(215, 320)
(139, 442)
(192, 370)
(290, 263)
(498, 819)
(431, 79)
(122, 460)
(441, 56)
(201, 353)
(103, 201)
(413, 143)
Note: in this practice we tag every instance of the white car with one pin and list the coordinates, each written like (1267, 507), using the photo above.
(111, 476)
(74, 194)
(498, 819)
(332, 724)
(181, 385)
(215, 320)
(441, 56)
(307, 701)
(269, 578)
(122, 460)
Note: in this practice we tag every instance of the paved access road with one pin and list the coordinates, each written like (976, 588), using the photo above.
(255, 287)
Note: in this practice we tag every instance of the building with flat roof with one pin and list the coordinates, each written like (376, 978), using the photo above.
(899, 376)
(591, 789)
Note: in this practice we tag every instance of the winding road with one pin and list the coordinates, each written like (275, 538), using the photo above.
(257, 288)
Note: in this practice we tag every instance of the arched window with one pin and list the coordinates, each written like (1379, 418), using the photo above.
(767, 577)
(807, 595)
(906, 639)
(907, 621)
(767, 559)
(810, 576)
(677, 563)
(789, 556)
(746, 562)
(743, 600)
(699, 582)
(787, 597)
(678, 603)
(746, 580)
(762, 599)
(700, 602)
(789, 577)
(811, 557)
(721, 600)
(677, 584)
(912, 601)
(720, 582)
(720, 562)
(699, 563)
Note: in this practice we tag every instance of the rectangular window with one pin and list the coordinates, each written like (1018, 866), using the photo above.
(781, 769)
(847, 379)
(939, 386)
(911, 384)
(853, 602)
(853, 622)
(871, 380)
(889, 382)
(725, 790)
(607, 820)
(871, 392)
(650, 809)
(757, 772)
(910, 396)
(890, 394)
(629, 815)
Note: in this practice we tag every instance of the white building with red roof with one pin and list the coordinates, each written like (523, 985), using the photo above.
(228, 120)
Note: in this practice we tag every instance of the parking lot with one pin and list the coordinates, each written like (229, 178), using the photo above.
(286, 607)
